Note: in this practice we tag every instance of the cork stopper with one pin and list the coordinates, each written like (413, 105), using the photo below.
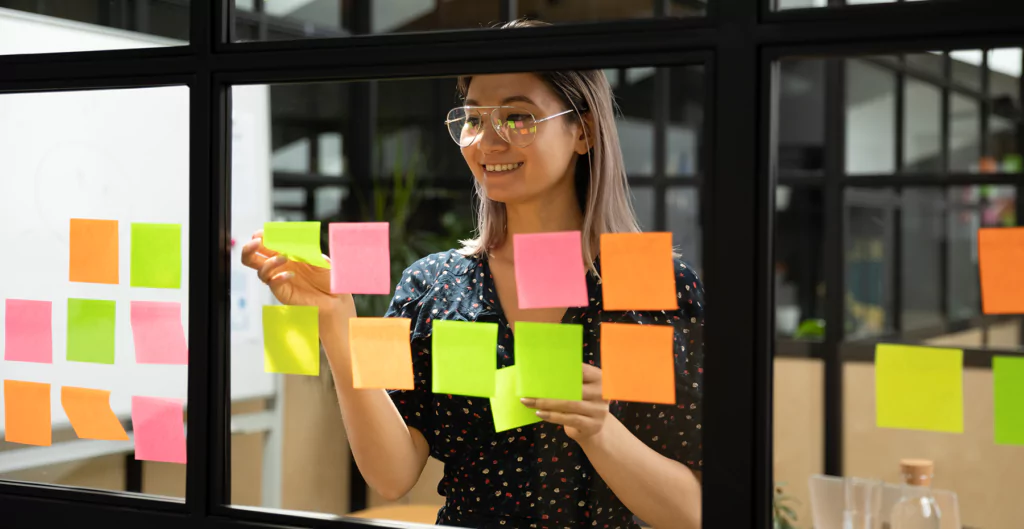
(917, 471)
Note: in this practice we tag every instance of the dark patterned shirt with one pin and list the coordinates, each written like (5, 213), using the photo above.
(535, 476)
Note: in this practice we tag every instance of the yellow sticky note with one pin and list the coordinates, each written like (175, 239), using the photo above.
(919, 388)
(291, 340)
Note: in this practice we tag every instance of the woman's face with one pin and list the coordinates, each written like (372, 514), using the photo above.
(512, 174)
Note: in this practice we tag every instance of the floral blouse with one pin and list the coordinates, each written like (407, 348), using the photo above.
(535, 476)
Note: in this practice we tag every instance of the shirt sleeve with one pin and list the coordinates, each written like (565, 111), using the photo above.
(416, 405)
(675, 431)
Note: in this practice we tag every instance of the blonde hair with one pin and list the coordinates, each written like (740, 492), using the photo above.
(600, 176)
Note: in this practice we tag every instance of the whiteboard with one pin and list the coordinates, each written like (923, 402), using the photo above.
(121, 155)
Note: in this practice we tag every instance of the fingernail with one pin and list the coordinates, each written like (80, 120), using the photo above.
(289, 275)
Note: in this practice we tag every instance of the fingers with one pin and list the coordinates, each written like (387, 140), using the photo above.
(254, 254)
(271, 268)
(591, 373)
(572, 407)
(565, 419)
(592, 392)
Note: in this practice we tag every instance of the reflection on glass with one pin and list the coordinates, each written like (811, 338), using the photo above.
(686, 117)
(1004, 109)
(79, 155)
(43, 27)
(596, 10)
(921, 244)
(803, 4)
(965, 68)
(799, 272)
(922, 128)
(683, 205)
(965, 135)
(801, 124)
(870, 111)
(869, 229)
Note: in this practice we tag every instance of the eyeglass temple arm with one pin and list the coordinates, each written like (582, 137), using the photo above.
(553, 116)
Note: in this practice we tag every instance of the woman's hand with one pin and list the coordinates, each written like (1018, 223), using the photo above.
(582, 419)
(291, 282)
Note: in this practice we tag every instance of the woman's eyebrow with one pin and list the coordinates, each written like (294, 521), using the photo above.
(509, 99)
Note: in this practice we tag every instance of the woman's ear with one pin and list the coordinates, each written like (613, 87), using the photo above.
(587, 137)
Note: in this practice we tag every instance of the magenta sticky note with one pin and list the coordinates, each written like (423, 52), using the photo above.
(360, 258)
(159, 336)
(159, 428)
(549, 270)
(28, 335)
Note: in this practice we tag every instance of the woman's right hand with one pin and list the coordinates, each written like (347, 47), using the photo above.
(295, 283)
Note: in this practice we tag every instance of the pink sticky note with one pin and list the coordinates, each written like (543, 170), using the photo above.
(360, 258)
(549, 270)
(28, 331)
(159, 429)
(159, 336)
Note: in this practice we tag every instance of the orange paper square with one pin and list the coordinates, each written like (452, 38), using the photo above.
(381, 353)
(638, 271)
(1001, 267)
(638, 363)
(27, 413)
(94, 256)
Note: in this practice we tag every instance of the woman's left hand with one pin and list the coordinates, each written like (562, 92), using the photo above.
(582, 419)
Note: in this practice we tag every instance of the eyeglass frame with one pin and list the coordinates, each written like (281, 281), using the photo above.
(495, 125)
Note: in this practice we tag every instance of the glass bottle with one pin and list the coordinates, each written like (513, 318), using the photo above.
(916, 508)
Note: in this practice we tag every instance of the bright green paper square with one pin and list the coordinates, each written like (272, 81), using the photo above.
(299, 241)
(506, 409)
(1008, 387)
(156, 255)
(919, 388)
(464, 357)
(291, 339)
(91, 330)
(550, 360)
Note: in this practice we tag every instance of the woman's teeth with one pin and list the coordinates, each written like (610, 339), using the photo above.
(502, 167)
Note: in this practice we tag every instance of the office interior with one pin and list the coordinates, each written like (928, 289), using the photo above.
(824, 165)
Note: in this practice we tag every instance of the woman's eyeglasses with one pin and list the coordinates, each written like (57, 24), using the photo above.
(514, 125)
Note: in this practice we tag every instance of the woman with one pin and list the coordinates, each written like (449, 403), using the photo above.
(587, 464)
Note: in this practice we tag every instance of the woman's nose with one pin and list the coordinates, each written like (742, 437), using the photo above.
(489, 140)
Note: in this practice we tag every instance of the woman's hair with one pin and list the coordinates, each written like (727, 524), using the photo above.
(600, 175)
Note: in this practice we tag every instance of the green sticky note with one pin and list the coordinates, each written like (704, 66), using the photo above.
(291, 340)
(91, 330)
(1008, 387)
(156, 255)
(464, 358)
(299, 241)
(919, 388)
(550, 360)
(506, 409)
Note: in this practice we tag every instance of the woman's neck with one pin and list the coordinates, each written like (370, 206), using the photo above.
(540, 216)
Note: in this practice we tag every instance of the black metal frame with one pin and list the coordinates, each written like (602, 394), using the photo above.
(737, 42)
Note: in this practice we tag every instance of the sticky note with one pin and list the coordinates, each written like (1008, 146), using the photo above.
(93, 251)
(1000, 258)
(28, 331)
(638, 272)
(1008, 389)
(90, 414)
(27, 413)
(919, 388)
(91, 331)
(550, 360)
(360, 257)
(159, 429)
(381, 353)
(506, 409)
(549, 270)
(638, 363)
(158, 334)
(156, 255)
(291, 340)
(464, 358)
(299, 241)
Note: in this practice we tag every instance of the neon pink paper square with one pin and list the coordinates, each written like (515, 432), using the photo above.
(159, 428)
(549, 270)
(158, 333)
(360, 258)
(28, 331)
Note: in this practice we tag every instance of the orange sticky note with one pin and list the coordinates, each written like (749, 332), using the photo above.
(638, 271)
(94, 251)
(1001, 267)
(90, 414)
(637, 363)
(380, 352)
(27, 413)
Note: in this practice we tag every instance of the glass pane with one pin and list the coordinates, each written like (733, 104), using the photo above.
(321, 152)
(686, 118)
(870, 117)
(96, 329)
(799, 264)
(923, 235)
(684, 223)
(869, 229)
(90, 25)
(801, 124)
(922, 127)
(803, 4)
(596, 10)
(1004, 110)
(966, 68)
(964, 134)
